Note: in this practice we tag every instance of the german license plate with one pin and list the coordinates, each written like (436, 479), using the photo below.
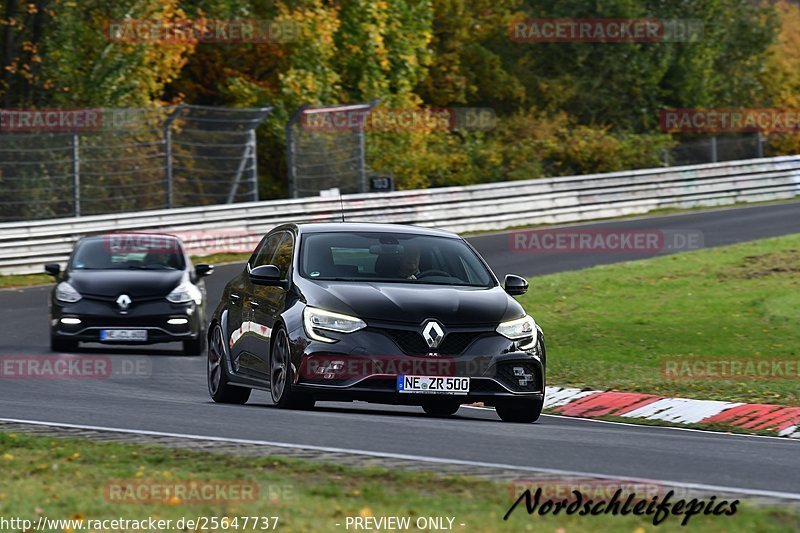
(432, 385)
(123, 334)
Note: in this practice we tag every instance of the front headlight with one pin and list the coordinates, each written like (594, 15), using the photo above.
(67, 293)
(184, 293)
(520, 329)
(316, 319)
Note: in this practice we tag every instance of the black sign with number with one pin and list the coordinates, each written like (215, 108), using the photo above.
(381, 184)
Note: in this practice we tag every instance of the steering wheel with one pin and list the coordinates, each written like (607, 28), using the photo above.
(434, 273)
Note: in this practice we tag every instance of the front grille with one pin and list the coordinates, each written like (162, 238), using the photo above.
(412, 343)
(507, 375)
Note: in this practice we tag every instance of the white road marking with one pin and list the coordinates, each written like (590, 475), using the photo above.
(425, 459)
(781, 438)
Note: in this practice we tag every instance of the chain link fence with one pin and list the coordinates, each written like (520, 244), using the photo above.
(72, 163)
(86, 162)
(326, 149)
(716, 148)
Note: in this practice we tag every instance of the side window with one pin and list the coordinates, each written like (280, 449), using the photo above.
(267, 249)
(283, 257)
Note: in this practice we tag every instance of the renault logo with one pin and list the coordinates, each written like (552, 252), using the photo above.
(433, 334)
(124, 301)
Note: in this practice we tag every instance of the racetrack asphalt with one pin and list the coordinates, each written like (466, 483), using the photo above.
(173, 396)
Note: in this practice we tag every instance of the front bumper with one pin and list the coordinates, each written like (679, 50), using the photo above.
(365, 365)
(152, 316)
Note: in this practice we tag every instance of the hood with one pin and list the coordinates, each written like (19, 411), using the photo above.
(393, 302)
(134, 283)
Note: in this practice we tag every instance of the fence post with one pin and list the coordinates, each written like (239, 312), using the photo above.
(292, 171)
(168, 165)
(254, 168)
(759, 145)
(362, 148)
(168, 162)
(249, 151)
(362, 163)
(713, 148)
(76, 175)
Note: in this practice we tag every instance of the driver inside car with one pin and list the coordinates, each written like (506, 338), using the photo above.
(408, 263)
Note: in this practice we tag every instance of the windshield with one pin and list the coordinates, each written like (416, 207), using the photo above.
(392, 258)
(98, 254)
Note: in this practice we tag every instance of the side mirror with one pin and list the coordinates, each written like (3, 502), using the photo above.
(268, 275)
(515, 285)
(54, 269)
(203, 270)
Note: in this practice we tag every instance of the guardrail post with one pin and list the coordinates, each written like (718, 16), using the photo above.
(76, 175)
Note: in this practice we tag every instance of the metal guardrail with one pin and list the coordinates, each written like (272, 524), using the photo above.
(26, 247)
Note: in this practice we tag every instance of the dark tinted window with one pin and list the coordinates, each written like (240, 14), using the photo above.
(283, 257)
(267, 249)
(392, 257)
(110, 254)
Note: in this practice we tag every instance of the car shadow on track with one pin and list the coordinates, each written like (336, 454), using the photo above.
(123, 350)
(386, 410)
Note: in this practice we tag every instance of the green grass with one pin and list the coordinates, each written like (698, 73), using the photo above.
(219, 259)
(10, 281)
(609, 327)
(64, 478)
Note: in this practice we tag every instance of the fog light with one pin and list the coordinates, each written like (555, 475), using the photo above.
(177, 321)
(71, 321)
(332, 368)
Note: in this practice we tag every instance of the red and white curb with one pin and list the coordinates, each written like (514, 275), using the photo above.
(783, 420)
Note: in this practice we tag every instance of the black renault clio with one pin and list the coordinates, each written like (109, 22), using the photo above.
(379, 313)
(137, 288)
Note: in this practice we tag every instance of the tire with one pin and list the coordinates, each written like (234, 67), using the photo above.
(60, 344)
(195, 346)
(440, 409)
(524, 411)
(219, 386)
(281, 375)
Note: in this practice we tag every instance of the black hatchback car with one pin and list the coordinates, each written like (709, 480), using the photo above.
(128, 289)
(379, 313)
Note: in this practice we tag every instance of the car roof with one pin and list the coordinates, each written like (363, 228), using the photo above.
(367, 227)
